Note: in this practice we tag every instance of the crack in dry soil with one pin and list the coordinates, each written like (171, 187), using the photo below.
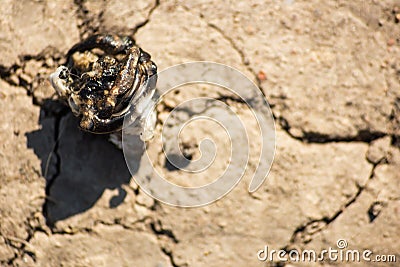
(50, 181)
(158, 229)
(244, 59)
(170, 256)
(303, 234)
(147, 20)
(363, 135)
(24, 248)
(147, 220)
(92, 24)
(15, 74)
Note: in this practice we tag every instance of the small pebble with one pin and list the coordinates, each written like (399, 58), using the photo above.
(261, 76)
(26, 78)
(250, 30)
(391, 42)
(14, 79)
(49, 62)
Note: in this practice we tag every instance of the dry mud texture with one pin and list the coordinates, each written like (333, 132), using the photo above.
(331, 72)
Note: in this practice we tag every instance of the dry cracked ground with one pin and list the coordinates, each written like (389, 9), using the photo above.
(331, 73)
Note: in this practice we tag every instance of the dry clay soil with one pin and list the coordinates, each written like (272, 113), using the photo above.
(331, 73)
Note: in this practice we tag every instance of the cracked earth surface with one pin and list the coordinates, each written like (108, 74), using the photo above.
(331, 72)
